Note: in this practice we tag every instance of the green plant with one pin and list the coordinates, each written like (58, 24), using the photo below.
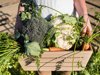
(92, 67)
(88, 39)
(68, 29)
(8, 50)
(36, 28)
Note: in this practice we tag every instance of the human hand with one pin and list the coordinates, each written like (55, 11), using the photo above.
(87, 28)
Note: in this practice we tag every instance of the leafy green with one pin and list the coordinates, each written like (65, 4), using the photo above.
(37, 62)
(8, 50)
(26, 39)
(29, 9)
(69, 19)
(26, 3)
(25, 15)
(32, 48)
(97, 14)
(54, 38)
(54, 16)
(88, 39)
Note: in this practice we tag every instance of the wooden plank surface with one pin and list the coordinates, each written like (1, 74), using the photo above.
(51, 61)
(51, 68)
(66, 54)
(54, 64)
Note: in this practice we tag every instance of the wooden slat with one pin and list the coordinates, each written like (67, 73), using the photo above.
(67, 60)
(54, 64)
(66, 54)
(51, 68)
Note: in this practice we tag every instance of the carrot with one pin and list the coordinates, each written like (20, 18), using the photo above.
(86, 46)
(55, 49)
(15, 42)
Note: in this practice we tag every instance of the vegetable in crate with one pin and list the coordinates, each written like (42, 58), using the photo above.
(36, 28)
(68, 29)
(87, 39)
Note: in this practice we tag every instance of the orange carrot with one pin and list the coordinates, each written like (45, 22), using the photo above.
(87, 46)
(15, 42)
(55, 49)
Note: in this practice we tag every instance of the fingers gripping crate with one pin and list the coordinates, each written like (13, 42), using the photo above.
(58, 61)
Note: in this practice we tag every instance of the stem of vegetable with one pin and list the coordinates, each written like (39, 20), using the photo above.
(13, 51)
(95, 26)
(4, 53)
(93, 36)
(46, 36)
(73, 57)
(82, 52)
(5, 50)
(50, 8)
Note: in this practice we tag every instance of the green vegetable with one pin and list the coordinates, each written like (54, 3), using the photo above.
(88, 39)
(68, 30)
(32, 48)
(29, 9)
(45, 49)
(8, 50)
(36, 29)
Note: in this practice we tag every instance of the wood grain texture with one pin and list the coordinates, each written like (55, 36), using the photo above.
(59, 61)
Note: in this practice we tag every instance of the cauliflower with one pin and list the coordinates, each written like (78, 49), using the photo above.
(57, 21)
(65, 31)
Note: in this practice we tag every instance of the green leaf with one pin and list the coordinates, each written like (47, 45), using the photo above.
(81, 19)
(69, 19)
(37, 62)
(57, 34)
(54, 16)
(28, 15)
(32, 48)
(39, 11)
(26, 38)
(48, 41)
(26, 3)
(23, 16)
(17, 35)
(56, 45)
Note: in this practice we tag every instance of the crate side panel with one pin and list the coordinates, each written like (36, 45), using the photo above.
(54, 64)
(52, 68)
(66, 54)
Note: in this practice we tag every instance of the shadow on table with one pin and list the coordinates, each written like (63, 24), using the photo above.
(7, 22)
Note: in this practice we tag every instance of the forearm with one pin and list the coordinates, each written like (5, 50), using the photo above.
(80, 7)
(19, 23)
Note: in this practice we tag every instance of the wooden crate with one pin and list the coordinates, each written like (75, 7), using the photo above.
(57, 61)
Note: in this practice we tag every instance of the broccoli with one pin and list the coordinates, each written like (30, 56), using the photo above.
(36, 28)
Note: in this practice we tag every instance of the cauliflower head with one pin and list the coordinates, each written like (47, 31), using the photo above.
(65, 31)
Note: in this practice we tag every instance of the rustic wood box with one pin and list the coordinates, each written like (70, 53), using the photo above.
(58, 61)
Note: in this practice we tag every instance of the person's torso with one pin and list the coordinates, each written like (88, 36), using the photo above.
(63, 6)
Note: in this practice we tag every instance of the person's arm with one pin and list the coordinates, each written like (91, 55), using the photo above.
(19, 23)
(81, 9)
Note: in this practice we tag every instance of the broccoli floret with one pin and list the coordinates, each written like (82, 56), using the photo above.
(36, 28)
